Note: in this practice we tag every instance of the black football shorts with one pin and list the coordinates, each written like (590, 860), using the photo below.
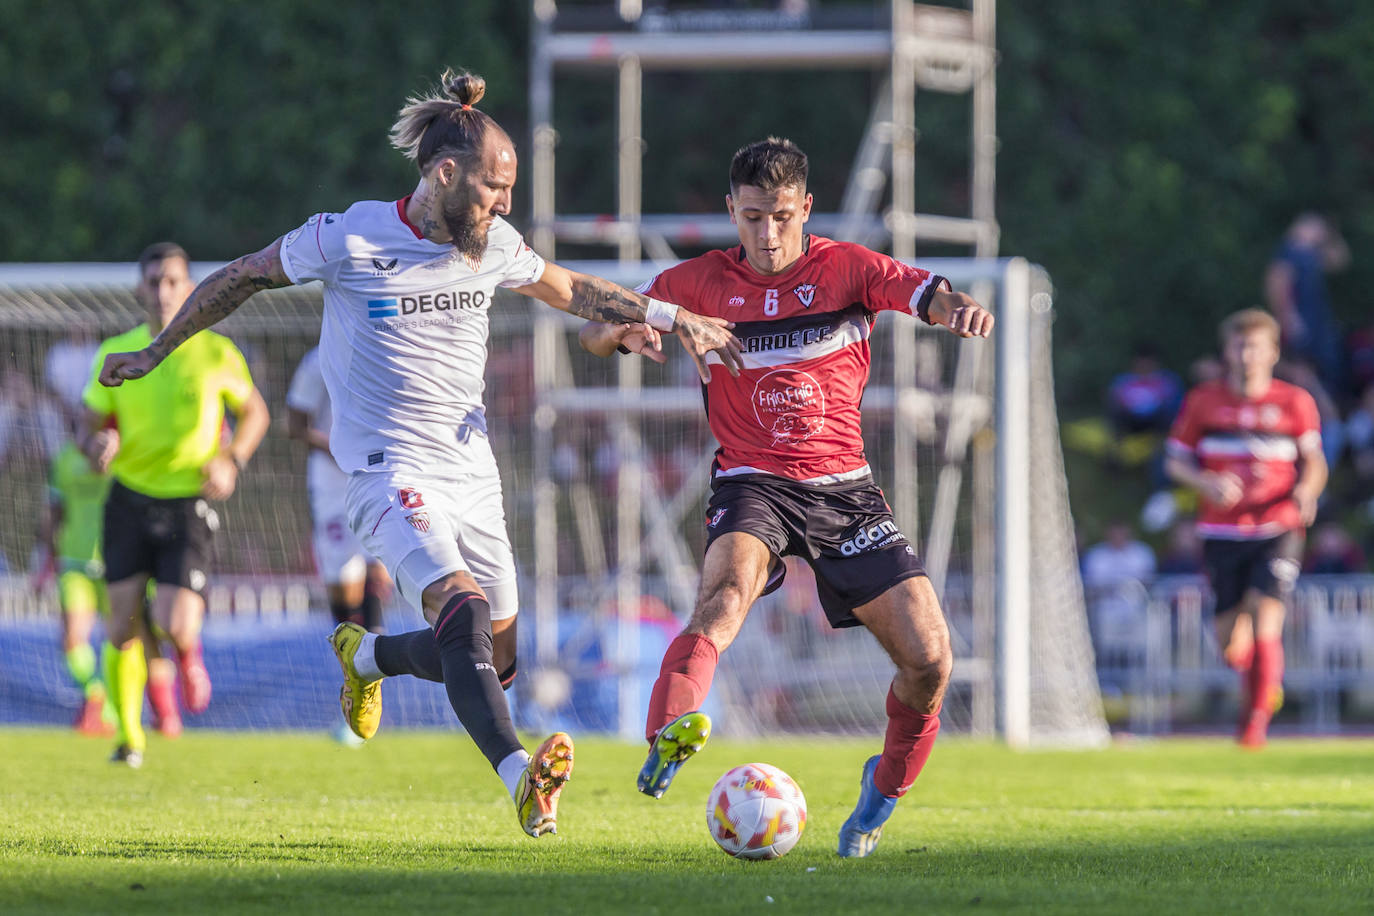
(1270, 566)
(845, 532)
(170, 540)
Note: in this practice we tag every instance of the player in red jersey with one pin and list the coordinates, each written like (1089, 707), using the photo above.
(790, 476)
(1251, 446)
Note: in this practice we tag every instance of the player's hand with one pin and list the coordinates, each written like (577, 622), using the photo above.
(639, 338)
(700, 335)
(221, 476)
(970, 321)
(1221, 488)
(121, 366)
(1307, 504)
(101, 449)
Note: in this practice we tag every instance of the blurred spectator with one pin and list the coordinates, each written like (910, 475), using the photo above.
(1295, 289)
(1118, 558)
(1183, 554)
(1145, 398)
(1359, 353)
(67, 367)
(1140, 406)
(1114, 573)
(31, 423)
(1359, 434)
(1333, 551)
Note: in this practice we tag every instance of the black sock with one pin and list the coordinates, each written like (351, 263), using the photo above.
(414, 653)
(343, 612)
(463, 632)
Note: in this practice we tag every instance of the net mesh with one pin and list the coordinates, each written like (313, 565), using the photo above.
(610, 471)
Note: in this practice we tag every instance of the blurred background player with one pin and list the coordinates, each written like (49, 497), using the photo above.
(69, 533)
(790, 476)
(161, 440)
(1251, 446)
(407, 286)
(356, 583)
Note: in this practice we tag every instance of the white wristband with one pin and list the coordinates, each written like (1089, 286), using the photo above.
(661, 316)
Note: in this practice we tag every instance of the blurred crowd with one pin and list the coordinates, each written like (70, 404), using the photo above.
(1334, 364)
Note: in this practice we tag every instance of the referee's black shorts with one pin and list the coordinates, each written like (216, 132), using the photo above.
(845, 532)
(169, 540)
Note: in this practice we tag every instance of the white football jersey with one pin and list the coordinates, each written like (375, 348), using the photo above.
(403, 349)
(308, 394)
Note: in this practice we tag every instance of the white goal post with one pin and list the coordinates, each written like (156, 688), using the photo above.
(605, 467)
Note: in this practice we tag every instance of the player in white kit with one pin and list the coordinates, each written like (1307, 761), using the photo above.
(356, 584)
(407, 288)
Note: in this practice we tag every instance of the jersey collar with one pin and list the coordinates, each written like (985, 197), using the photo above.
(401, 212)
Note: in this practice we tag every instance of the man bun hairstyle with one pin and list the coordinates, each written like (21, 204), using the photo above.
(1247, 320)
(769, 164)
(444, 123)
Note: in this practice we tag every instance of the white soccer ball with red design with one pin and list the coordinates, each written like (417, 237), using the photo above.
(756, 811)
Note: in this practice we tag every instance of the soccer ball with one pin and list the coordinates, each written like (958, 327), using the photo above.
(756, 811)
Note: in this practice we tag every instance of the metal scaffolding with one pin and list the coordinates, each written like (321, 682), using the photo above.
(916, 47)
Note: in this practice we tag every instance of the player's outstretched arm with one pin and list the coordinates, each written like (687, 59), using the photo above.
(603, 339)
(961, 313)
(214, 299)
(601, 300)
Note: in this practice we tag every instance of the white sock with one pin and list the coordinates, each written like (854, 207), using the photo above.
(365, 659)
(512, 771)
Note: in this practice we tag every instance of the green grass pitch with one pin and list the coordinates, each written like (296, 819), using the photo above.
(417, 823)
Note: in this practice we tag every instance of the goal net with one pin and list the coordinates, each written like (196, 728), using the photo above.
(605, 469)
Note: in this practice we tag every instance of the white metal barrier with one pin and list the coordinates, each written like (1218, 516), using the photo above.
(1157, 652)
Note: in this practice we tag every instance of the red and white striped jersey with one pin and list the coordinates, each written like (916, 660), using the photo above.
(794, 410)
(1261, 441)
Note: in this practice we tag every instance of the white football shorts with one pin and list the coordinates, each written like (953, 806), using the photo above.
(425, 527)
(339, 555)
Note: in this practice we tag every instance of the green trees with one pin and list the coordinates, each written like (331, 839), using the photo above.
(1151, 154)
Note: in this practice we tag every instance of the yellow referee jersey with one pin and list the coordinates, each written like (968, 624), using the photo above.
(171, 420)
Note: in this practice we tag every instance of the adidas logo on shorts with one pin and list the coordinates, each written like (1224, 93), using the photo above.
(872, 537)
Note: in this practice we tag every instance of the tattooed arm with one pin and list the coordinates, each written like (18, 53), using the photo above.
(601, 300)
(210, 302)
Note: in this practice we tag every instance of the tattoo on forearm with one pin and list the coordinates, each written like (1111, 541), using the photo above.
(219, 294)
(601, 300)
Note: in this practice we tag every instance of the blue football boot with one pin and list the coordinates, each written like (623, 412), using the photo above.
(859, 835)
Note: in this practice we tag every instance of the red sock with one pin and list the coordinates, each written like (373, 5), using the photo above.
(191, 656)
(160, 696)
(683, 681)
(1266, 674)
(910, 737)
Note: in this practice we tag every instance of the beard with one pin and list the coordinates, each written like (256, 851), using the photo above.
(469, 235)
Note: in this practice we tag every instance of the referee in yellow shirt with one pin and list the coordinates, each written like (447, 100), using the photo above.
(161, 439)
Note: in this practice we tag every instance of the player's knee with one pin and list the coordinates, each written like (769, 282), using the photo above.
(727, 601)
(928, 665)
(507, 675)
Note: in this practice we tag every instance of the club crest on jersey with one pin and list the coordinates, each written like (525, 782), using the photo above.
(419, 521)
(806, 292)
(717, 516)
(384, 268)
